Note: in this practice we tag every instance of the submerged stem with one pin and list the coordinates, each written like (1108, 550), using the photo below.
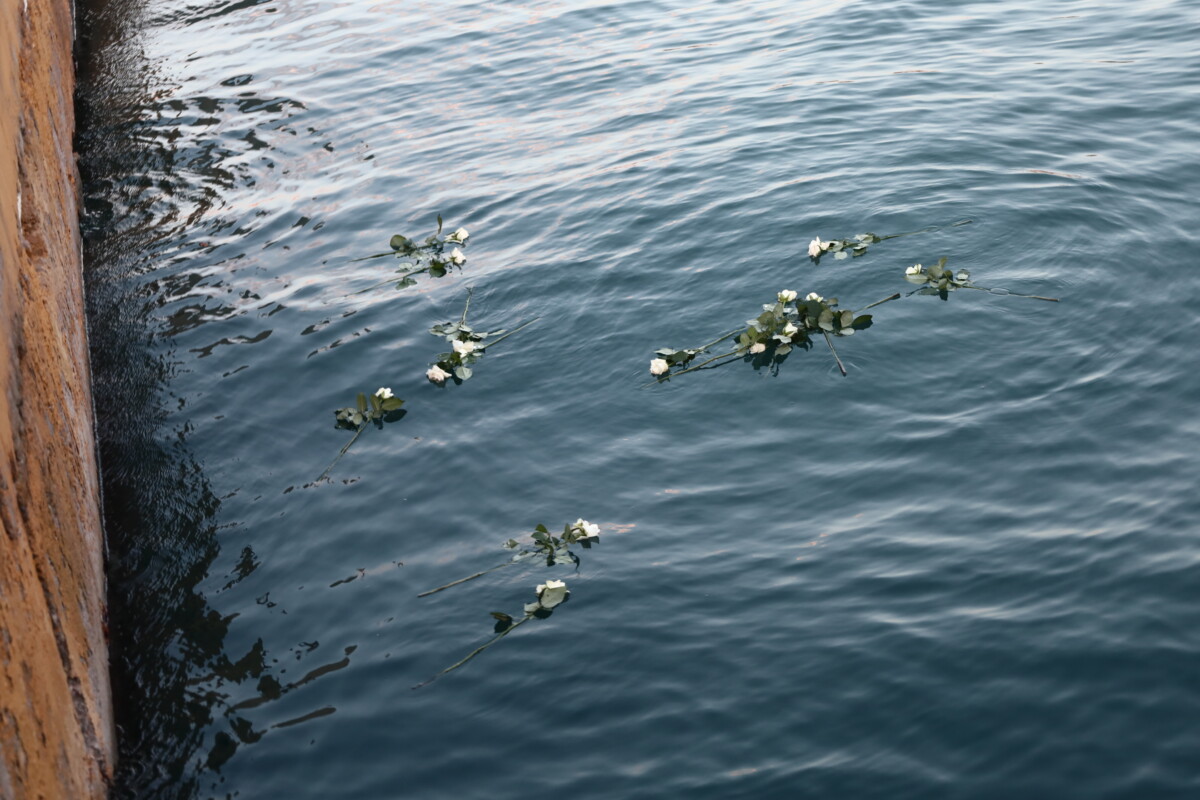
(510, 333)
(342, 452)
(468, 578)
(402, 275)
(1012, 294)
(896, 296)
(477, 650)
(829, 341)
(470, 291)
(718, 341)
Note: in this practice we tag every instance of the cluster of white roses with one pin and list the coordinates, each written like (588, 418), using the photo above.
(843, 248)
(456, 255)
(461, 347)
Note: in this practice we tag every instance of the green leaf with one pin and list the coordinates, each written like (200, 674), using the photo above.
(840, 254)
(439, 224)
(362, 403)
(462, 373)
(392, 404)
(847, 319)
(398, 242)
(862, 323)
(376, 405)
(542, 529)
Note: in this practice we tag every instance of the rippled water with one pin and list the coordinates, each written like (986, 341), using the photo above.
(965, 570)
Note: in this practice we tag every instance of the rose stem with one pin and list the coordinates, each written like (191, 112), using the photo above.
(468, 578)
(896, 296)
(476, 651)
(1013, 294)
(691, 369)
(510, 333)
(342, 452)
(470, 291)
(829, 342)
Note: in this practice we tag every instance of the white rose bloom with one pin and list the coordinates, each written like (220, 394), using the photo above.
(815, 247)
(658, 366)
(383, 393)
(551, 593)
(815, 296)
(589, 529)
(457, 256)
(963, 276)
(787, 296)
(915, 269)
(758, 348)
(436, 374)
(462, 348)
(459, 235)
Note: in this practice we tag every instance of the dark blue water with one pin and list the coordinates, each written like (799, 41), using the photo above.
(966, 570)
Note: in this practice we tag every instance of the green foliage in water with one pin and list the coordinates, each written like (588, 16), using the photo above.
(423, 257)
(467, 346)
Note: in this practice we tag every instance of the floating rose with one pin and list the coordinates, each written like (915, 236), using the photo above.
(467, 346)
(543, 545)
(428, 257)
(940, 281)
(782, 326)
(550, 595)
(378, 408)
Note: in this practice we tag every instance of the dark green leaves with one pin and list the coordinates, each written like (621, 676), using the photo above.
(429, 257)
(468, 347)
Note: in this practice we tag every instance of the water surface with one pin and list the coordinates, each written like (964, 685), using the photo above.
(963, 571)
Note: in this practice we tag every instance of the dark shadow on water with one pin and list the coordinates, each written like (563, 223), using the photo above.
(169, 657)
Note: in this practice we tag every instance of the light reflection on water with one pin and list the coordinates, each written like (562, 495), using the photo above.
(962, 571)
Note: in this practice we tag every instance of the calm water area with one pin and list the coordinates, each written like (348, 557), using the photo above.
(968, 569)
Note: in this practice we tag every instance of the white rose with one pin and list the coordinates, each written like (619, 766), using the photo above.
(383, 393)
(436, 374)
(915, 269)
(814, 296)
(787, 296)
(457, 257)
(551, 593)
(588, 530)
(459, 236)
(815, 247)
(462, 348)
(758, 348)
(963, 276)
(658, 366)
